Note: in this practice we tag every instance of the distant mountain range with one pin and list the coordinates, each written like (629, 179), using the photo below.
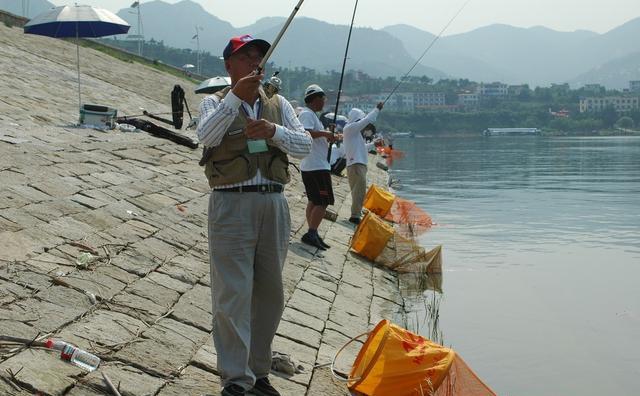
(616, 73)
(308, 42)
(536, 56)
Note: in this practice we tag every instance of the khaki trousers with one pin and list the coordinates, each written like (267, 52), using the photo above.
(248, 243)
(357, 174)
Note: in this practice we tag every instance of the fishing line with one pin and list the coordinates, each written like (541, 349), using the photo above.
(344, 64)
(427, 50)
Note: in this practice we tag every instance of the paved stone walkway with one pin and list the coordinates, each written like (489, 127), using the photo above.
(138, 203)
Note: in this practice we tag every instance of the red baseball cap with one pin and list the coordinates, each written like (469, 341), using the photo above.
(240, 41)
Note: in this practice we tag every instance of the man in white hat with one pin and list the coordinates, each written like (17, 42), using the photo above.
(356, 151)
(315, 167)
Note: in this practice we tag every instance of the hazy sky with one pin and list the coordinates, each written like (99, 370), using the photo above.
(431, 15)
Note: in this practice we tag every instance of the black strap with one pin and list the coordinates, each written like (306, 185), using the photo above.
(246, 113)
(261, 188)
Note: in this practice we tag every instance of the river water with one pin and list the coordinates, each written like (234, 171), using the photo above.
(541, 249)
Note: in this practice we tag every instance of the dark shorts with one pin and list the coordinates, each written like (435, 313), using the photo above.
(318, 187)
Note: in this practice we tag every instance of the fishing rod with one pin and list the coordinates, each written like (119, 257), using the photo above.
(208, 151)
(344, 64)
(146, 113)
(427, 50)
(278, 37)
(154, 115)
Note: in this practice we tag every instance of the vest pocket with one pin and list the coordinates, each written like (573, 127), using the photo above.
(278, 169)
(236, 142)
(230, 171)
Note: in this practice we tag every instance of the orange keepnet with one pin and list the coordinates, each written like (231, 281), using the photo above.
(395, 209)
(371, 236)
(378, 200)
(396, 362)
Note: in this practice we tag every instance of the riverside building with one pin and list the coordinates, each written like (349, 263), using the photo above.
(620, 103)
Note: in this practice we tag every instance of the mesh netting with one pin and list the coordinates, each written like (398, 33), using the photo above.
(462, 381)
(403, 212)
(407, 213)
(378, 241)
(387, 234)
(403, 254)
(395, 361)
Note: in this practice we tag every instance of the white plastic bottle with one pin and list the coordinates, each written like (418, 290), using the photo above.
(75, 355)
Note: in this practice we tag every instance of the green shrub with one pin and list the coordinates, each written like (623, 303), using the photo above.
(625, 122)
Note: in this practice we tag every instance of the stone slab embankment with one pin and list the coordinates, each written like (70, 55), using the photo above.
(138, 204)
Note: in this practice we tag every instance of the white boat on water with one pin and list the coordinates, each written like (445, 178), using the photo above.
(511, 131)
(408, 134)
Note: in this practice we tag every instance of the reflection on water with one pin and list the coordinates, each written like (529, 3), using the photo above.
(424, 291)
(541, 256)
(415, 283)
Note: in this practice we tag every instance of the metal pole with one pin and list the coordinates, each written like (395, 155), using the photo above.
(78, 63)
(277, 40)
(289, 79)
(197, 50)
(344, 64)
(139, 32)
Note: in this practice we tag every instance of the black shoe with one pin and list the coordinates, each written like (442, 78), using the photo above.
(354, 220)
(324, 245)
(263, 388)
(233, 390)
(312, 240)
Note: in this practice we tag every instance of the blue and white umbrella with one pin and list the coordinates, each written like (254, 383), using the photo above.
(213, 85)
(77, 21)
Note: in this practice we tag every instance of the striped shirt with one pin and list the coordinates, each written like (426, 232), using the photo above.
(216, 116)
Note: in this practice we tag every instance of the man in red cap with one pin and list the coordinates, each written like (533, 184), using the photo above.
(247, 137)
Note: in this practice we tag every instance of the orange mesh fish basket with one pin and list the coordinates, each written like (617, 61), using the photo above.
(371, 236)
(396, 362)
(378, 200)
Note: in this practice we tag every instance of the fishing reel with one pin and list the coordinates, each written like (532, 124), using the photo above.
(272, 85)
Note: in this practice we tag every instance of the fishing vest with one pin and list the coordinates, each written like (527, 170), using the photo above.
(230, 162)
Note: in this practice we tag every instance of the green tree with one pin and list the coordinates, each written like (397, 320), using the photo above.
(525, 95)
(531, 122)
(560, 124)
(609, 116)
(625, 122)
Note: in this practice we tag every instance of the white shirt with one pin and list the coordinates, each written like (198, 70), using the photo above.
(337, 152)
(317, 158)
(354, 144)
(216, 117)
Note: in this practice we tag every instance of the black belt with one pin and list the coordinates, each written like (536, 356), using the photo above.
(262, 188)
